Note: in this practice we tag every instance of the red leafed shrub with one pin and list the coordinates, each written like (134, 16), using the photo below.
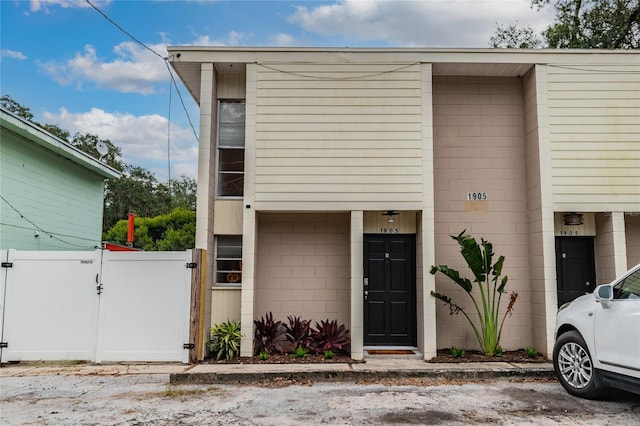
(330, 336)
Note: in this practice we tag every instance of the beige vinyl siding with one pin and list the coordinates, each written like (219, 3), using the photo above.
(232, 85)
(225, 305)
(338, 136)
(594, 123)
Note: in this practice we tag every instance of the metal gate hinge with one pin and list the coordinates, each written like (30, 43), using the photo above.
(189, 346)
(191, 265)
(7, 264)
(4, 344)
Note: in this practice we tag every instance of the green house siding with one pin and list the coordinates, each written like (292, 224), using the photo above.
(50, 202)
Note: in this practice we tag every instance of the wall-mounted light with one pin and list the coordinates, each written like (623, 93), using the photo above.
(390, 214)
(573, 219)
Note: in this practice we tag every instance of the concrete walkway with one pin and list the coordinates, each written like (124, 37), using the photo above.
(372, 369)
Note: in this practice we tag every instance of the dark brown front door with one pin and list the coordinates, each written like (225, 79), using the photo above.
(389, 290)
(575, 267)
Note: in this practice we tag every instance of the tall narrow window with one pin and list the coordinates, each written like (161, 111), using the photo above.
(231, 119)
(229, 260)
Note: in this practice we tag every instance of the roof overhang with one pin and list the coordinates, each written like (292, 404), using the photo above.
(187, 60)
(41, 137)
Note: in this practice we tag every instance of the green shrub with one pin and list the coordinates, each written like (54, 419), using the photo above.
(264, 356)
(300, 352)
(225, 339)
(457, 353)
(328, 354)
(531, 352)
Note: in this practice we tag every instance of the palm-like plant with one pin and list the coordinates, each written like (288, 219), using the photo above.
(487, 275)
(225, 339)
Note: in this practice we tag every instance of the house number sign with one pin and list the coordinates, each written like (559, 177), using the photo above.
(477, 196)
(389, 230)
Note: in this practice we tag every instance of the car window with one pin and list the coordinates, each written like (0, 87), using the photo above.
(629, 288)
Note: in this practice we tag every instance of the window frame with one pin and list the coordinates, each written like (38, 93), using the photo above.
(218, 259)
(219, 153)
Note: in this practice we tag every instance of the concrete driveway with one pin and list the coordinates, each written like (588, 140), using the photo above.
(148, 399)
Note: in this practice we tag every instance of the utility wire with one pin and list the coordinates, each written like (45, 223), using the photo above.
(44, 231)
(165, 59)
(124, 31)
(352, 77)
(169, 144)
(184, 107)
(597, 71)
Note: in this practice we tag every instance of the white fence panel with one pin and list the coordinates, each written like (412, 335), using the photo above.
(50, 305)
(144, 307)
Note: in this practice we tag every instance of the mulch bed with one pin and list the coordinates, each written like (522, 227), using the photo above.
(519, 356)
(286, 359)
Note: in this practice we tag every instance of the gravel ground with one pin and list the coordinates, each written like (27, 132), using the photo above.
(149, 400)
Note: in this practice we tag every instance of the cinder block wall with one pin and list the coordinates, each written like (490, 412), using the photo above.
(479, 147)
(604, 250)
(632, 229)
(303, 266)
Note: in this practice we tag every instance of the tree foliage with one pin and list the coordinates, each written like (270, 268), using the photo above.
(138, 191)
(11, 105)
(512, 36)
(171, 231)
(581, 24)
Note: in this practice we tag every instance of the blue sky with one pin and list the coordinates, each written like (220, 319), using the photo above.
(73, 68)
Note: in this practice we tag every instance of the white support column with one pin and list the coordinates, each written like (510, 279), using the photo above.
(247, 298)
(204, 223)
(206, 183)
(427, 327)
(249, 221)
(357, 274)
(546, 331)
(619, 243)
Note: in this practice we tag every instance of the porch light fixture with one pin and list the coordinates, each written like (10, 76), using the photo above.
(390, 214)
(572, 219)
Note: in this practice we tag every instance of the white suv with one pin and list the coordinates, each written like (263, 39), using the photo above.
(598, 339)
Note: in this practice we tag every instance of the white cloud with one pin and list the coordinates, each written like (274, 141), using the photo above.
(135, 69)
(233, 38)
(44, 5)
(447, 23)
(7, 53)
(282, 39)
(142, 139)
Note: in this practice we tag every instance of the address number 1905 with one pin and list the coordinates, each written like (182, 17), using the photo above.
(477, 196)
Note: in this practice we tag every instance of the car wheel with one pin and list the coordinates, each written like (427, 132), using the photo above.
(574, 366)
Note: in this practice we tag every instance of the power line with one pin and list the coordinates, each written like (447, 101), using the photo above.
(184, 107)
(173, 81)
(593, 70)
(44, 231)
(124, 31)
(351, 77)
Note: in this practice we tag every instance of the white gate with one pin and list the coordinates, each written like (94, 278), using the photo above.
(98, 306)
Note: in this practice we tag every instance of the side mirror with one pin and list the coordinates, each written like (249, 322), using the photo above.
(604, 294)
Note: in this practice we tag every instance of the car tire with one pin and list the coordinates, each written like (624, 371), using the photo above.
(573, 365)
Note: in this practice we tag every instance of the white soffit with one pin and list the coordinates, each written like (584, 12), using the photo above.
(481, 69)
